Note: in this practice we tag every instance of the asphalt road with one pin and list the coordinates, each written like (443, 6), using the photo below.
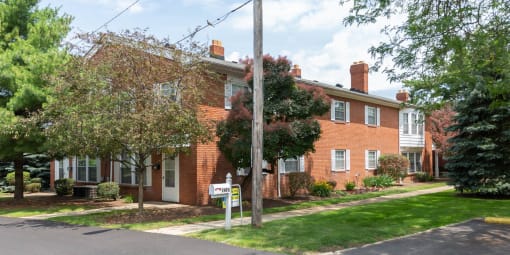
(37, 237)
(473, 237)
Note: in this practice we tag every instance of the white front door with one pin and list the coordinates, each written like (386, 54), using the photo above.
(170, 178)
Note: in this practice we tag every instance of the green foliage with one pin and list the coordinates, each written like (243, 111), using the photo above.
(289, 127)
(35, 180)
(321, 189)
(134, 100)
(393, 165)
(33, 187)
(379, 181)
(442, 47)
(64, 186)
(298, 181)
(128, 199)
(479, 159)
(10, 178)
(423, 177)
(30, 52)
(350, 186)
(108, 190)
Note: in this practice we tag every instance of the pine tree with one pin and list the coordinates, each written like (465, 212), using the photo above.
(30, 51)
(479, 160)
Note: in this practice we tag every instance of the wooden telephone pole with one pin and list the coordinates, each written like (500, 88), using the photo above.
(257, 125)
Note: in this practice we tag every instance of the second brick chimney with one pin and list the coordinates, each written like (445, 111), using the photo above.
(216, 50)
(295, 71)
(402, 96)
(359, 77)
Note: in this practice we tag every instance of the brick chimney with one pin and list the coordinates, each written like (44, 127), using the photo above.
(402, 95)
(216, 50)
(359, 77)
(295, 71)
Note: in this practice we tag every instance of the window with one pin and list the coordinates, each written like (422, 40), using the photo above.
(419, 124)
(340, 160)
(87, 169)
(292, 165)
(372, 115)
(244, 171)
(126, 170)
(371, 157)
(405, 120)
(61, 168)
(340, 111)
(414, 161)
(231, 89)
(414, 123)
(167, 89)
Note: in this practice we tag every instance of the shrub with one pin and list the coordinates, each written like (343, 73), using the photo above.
(298, 181)
(64, 186)
(33, 187)
(423, 177)
(128, 199)
(108, 190)
(332, 183)
(350, 186)
(10, 178)
(321, 189)
(36, 180)
(393, 165)
(380, 181)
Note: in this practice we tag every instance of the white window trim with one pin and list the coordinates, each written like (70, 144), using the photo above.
(347, 167)
(367, 163)
(405, 123)
(158, 87)
(300, 161)
(87, 177)
(65, 167)
(117, 173)
(228, 90)
(416, 159)
(377, 116)
(347, 110)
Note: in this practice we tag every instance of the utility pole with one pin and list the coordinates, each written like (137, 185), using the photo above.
(258, 106)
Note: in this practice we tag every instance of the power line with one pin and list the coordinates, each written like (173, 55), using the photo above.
(116, 16)
(214, 23)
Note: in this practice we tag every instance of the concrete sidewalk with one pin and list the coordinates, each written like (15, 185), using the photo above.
(190, 228)
(146, 205)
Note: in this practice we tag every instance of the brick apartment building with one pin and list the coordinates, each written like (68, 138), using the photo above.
(357, 130)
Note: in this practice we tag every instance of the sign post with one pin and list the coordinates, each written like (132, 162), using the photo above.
(228, 212)
(231, 197)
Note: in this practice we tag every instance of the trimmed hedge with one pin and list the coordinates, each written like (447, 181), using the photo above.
(108, 190)
(64, 186)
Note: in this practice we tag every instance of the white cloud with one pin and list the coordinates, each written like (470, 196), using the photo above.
(117, 5)
(234, 56)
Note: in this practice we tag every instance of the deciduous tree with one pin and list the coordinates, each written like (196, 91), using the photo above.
(132, 95)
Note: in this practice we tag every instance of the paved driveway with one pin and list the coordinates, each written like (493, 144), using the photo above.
(36, 237)
(473, 237)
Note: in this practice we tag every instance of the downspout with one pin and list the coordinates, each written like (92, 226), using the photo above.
(111, 168)
(436, 163)
(279, 180)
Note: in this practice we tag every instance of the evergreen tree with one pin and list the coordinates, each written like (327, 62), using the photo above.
(289, 128)
(480, 152)
(30, 51)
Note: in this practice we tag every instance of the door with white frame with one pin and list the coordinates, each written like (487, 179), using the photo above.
(170, 174)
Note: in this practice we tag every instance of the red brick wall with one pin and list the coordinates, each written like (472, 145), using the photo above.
(355, 136)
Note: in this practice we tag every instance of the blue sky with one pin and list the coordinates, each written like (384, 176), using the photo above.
(309, 32)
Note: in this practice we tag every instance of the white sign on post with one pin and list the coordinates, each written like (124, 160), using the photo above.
(219, 190)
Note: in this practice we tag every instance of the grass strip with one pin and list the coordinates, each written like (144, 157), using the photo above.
(98, 219)
(355, 226)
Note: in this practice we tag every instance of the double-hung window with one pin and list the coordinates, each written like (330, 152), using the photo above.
(126, 170)
(292, 165)
(371, 157)
(231, 89)
(340, 111)
(372, 116)
(167, 89)
(405, 123)
(62, 168)
(87, 168)
(414, 124)
(340, 160)
(414, 161)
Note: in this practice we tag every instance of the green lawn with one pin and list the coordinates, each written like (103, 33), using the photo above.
(359, 225)
(98, 219)
(31, 211)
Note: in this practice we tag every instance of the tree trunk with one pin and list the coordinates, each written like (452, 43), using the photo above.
(18, 178)
(140, 173)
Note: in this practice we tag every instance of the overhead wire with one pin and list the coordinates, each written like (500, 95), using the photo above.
(214, 23)
(116, 16)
